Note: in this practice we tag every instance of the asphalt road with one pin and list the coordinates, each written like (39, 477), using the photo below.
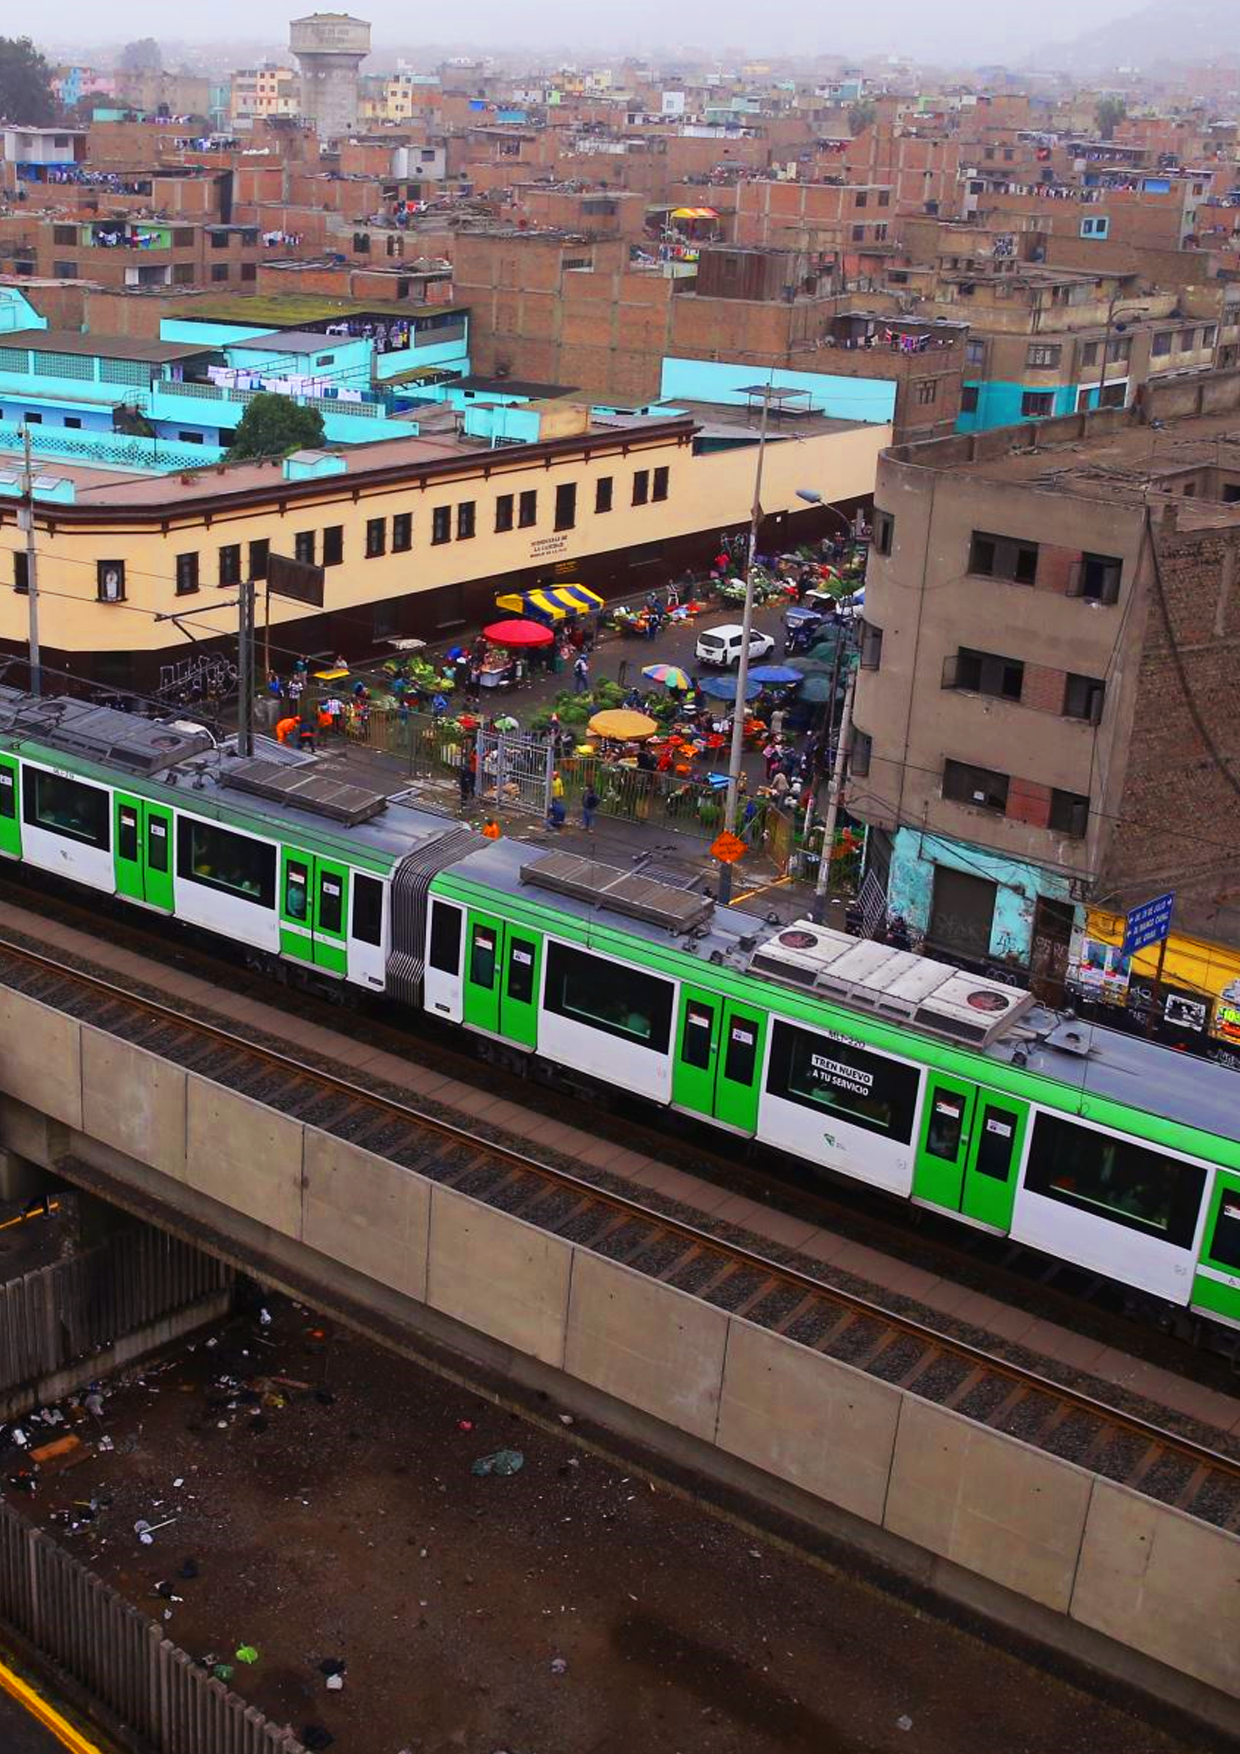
(22, 1734)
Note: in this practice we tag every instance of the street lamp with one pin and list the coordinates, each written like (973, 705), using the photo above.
(1136, 311)
(811, 496)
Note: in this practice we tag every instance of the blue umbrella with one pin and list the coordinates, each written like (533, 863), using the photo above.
(724, 688)
(780, 674)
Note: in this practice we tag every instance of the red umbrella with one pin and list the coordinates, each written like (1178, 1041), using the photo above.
(518, 633)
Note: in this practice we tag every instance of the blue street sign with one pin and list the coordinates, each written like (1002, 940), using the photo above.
(1148, 924)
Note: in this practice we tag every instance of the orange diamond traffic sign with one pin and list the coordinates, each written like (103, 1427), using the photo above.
(728, 848)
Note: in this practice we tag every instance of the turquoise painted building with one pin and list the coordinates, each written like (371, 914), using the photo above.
(996, 403)
(916, 855)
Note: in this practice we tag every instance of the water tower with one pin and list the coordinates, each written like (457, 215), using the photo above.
(330, 47)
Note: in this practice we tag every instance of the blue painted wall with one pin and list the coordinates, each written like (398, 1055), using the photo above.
(910, 888)
(998, 403)
(710, 380)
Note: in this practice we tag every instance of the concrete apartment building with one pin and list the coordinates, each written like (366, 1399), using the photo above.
(1044, 712)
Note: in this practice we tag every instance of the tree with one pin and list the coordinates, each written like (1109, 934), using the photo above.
(26, 98)
(272, 426)
(1109, 114)
(861, 115)
(142, 57)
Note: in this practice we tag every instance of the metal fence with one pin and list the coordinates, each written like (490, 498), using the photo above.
(118, 1657)
(64, 1312)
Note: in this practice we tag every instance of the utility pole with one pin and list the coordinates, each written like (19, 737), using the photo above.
(742, 668)
(838, 769)
(245, 668)
(25, 518)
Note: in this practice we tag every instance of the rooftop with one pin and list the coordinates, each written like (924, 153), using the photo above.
(101, 346)
(281, 310)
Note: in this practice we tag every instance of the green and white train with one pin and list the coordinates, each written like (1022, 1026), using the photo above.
(942, 1088)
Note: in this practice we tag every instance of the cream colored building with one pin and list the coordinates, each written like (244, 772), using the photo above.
(416, 536)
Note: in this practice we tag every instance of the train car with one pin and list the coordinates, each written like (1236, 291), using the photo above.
(850, 1058)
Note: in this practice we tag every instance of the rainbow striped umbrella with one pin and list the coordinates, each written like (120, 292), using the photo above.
(668, 674)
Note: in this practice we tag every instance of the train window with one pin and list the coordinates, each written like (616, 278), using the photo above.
(839, 1078)
(8, 802)
(1224, 1249)
(445, 938)
(994, 1145)
(946, 1124)
(699, 1034)
(742, 1053)
(232, 863)
(367, 909)
(610, 997)
(156, 843)
(297, 891)
(331, 902)
(482, 956)
(1115, 1178)
(127, 832)
(67, 807)
(521, 970)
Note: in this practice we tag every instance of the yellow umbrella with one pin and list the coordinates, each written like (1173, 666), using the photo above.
(619, 722)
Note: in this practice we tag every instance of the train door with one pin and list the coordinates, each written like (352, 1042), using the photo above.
(519, 1000)
(718, 1055)
(10, 815)
(999, 1124)
(1216, 1285)
(143, 857)
(483, 962)
(942, 1151)
(297, 905)
(331, 916)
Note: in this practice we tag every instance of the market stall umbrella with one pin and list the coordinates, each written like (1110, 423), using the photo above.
(776, 675)
(625, 726)
(817, 689)
(811, 666)
(518, 633)
(670, 675)
(724, 687)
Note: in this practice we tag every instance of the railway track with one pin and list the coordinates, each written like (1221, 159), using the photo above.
(892, 1346)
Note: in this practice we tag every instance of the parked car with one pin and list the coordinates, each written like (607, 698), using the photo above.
(721, 646)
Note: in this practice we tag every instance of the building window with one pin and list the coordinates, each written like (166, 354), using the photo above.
(1099, 578)
(527, 509)
(975, 353)
(465, 520)
(230, 564)
(860, 754)
(64, 234)
(884, 197)
(1042, 355)
(333, 545)
(376, 537)
(1003, 557)
(884, 533)
(219, 240)
(1209, 335)
(21, 570)
(64, 270)
(1118, 351)
(503, 513)
(1186, 340)
(984, 673)
(1161, 344)
(1083, 697)
(219, 270)
(658, 485)
(441, 525)
(73, 422)
(186, 574)
(641, 486)
(249, 271)
(602, 493)
(303, 546)
(566, 505)
(871, 646)
(1037, 404)
(402, 532)
(927, 391)
(968, 399)
(859, 200)
(1090, 351)
(260, 552)
(979, 786)
(1069, 814)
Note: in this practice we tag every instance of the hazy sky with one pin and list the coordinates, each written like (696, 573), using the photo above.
(948, 30)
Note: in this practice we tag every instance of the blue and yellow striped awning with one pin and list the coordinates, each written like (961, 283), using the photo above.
(553, 604)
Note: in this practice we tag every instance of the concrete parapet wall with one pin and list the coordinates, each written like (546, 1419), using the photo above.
(1137, 1588)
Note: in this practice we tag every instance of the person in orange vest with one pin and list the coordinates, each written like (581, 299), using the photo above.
(491, 829)
(287, 728)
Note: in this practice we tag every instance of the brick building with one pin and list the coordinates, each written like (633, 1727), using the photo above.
(1043, 716)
